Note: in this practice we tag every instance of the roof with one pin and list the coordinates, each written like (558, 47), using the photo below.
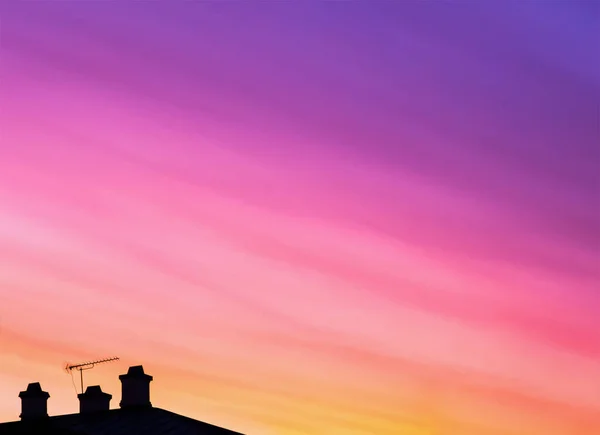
(142, 421)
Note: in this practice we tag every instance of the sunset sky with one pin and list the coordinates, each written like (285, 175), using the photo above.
(302, 217)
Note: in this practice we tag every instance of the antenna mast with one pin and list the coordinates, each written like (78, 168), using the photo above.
(87, 366)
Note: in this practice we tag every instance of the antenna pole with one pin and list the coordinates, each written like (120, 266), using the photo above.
(81, 374)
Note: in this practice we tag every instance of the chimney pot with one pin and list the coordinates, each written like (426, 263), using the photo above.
(34, 402)
(135, 388)
(94, 400)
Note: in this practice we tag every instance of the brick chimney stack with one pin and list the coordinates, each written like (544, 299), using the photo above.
(34, 402)
(135, 388)
(94, 400)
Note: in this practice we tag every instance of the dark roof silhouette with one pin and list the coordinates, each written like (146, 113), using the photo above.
(136, 415)
(143, 421)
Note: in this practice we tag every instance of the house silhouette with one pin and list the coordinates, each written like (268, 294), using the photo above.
(135, 416)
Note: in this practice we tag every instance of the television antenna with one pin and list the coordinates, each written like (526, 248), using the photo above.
(86, 366)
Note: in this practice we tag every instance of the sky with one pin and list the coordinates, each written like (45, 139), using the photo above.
(350, 218)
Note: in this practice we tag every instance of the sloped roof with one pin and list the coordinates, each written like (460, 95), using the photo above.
(143, 421)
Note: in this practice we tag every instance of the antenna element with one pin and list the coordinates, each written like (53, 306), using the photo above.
(87, 366)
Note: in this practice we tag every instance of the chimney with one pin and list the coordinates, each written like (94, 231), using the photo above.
(34, 402)
(94, 400)
(135, 388)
